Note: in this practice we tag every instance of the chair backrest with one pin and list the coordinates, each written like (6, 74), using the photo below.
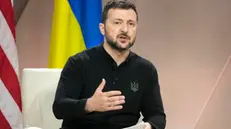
(38, 90)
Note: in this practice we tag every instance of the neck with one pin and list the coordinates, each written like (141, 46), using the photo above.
(118, 56)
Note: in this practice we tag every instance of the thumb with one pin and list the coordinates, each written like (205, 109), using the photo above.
(101, 85)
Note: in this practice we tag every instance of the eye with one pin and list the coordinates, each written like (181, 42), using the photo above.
(131, 24)
(117, 22)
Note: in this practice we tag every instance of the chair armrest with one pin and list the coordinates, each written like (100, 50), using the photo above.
(32, 128)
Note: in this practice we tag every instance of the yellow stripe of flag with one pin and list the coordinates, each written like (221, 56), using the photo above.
(66, 36)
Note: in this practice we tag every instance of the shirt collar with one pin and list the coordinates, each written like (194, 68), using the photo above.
(105, 53)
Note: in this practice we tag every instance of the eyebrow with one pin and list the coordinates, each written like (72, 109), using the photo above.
(122, 20)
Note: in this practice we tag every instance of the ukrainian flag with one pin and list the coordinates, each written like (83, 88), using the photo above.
(75, 27)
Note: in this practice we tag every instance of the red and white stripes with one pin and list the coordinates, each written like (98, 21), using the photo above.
(10, 93)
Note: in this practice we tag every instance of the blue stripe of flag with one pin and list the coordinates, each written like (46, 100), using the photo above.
(88, 14)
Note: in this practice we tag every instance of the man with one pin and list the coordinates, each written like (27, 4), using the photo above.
(107, 86)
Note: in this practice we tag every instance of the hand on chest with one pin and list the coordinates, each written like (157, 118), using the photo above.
(132, 88)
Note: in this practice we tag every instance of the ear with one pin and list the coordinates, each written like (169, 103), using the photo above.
(102, 28)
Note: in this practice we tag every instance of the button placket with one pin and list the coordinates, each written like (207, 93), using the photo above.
(115, 77)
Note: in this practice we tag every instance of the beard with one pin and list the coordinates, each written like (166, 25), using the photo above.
(115, 45)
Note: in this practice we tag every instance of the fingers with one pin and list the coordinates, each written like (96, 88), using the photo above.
(116, 103)
(115, 108)
(108, 94)
(101, 86)
(116, 98)
(106, 101)
(112, 93)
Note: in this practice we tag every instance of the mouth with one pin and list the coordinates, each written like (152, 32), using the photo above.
(122, 37)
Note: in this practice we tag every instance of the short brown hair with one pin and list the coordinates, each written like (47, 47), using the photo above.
(117, 4)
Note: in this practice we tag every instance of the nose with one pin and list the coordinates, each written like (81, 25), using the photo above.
(124, 28)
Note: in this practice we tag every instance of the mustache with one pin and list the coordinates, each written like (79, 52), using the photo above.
(123, 34)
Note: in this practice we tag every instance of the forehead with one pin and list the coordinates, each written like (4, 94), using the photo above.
(123, 14)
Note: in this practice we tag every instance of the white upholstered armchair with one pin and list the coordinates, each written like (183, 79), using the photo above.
(38, 90)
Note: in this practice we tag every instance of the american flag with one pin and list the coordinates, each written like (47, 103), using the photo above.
(10, 94)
